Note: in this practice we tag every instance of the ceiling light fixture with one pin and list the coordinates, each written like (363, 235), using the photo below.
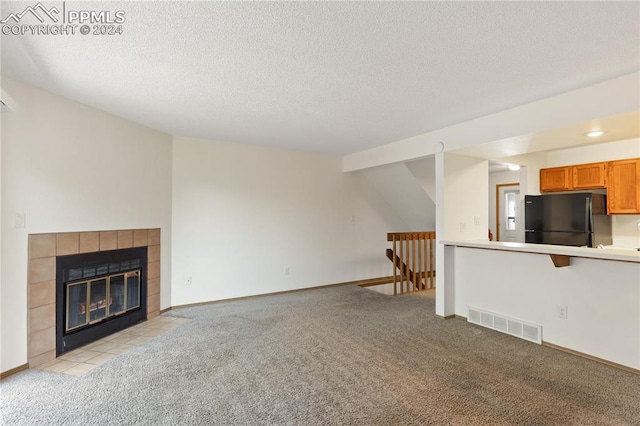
(513, 167)
(595, 133)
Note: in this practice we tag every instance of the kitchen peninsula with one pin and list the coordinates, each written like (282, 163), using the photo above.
(585, 300)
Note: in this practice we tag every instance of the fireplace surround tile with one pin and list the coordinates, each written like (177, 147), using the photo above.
(68, 243)
(125, 239)
(43, 249)
(153, 254)
(42, 341)
(153, 286)
(41, 294)
(42, 317)
(153, 304)
(42, 245)
(108, 240)
(153, 270)
(42, 269)
(154, 237)
(43, 358)
(140, 238)
(89, 242)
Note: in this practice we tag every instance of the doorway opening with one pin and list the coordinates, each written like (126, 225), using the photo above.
(508, 221)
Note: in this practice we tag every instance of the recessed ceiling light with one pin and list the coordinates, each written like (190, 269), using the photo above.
(595, 133)
(513, 167)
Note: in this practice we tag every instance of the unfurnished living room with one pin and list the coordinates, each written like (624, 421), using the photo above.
(310, 213)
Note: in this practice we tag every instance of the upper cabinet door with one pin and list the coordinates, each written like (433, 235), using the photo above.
(589, 176)
(623, 186)
(555, 179)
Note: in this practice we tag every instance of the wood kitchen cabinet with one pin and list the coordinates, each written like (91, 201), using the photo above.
(623, 186)
(589, 176)
(556, 179)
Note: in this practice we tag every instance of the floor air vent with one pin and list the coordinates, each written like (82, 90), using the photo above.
(514, 327)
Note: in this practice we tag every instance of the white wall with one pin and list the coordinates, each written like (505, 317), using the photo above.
(618, 150)
(603, 315)
(465, 198)
(424, 170)
(406, 196)
(461, 197)
(242, 214)
(70, 167)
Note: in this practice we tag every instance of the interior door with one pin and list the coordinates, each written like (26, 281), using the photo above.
(508, 215)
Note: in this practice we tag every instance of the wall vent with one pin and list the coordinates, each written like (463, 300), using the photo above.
(504, 324)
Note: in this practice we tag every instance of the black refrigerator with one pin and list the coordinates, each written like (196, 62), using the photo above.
(578, 219)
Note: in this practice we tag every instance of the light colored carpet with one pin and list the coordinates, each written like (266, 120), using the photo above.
(341, 355)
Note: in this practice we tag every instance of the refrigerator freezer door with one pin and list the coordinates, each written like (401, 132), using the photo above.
(567, 212)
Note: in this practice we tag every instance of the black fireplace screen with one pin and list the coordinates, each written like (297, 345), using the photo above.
(98, 294)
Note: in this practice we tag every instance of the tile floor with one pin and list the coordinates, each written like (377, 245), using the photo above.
(79, 361)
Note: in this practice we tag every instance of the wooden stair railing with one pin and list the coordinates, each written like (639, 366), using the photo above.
(412, 255)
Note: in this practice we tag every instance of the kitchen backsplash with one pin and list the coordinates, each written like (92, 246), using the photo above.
(625, 231)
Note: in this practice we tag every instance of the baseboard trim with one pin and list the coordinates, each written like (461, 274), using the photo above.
(461, 317)
(162, 311)
(445, 317)
(234, 299)
(13, 371)
(591, 357)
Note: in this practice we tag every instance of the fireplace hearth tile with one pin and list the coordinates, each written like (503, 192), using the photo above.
(104, 346)
(125, 239)
(58, 366)
(42, 245)
(83, 356)
(89, 242)
(101, 359)
(79, 369)
(68, 243)
(79, 361)
(108, 240)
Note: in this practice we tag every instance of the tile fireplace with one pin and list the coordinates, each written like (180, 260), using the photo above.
(100, 290)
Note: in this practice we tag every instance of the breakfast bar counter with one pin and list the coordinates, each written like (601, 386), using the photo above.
(585, 300)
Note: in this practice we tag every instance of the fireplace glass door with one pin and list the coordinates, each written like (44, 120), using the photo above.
(93, 301)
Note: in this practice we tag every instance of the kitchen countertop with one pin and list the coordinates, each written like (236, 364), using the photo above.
(608, 253)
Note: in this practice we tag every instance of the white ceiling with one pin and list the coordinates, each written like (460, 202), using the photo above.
(336, 77)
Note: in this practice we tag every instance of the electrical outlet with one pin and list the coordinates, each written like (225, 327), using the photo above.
(189, 281)
(287, 270)
(639, 226)
(562, 312)
(463, 227)
(476, 220)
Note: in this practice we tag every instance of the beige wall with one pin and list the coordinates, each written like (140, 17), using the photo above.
(243, 214)
(72, 168)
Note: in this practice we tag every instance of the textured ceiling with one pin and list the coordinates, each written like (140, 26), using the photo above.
(335, 77)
